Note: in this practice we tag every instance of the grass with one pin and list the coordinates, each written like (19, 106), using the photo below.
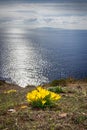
(57, 89)
(62, 82)
(69, 113)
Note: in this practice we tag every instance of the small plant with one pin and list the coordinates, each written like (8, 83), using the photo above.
(57, 89)
(42, 98)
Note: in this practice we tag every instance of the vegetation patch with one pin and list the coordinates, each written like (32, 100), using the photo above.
(42, 98)
(57, 89)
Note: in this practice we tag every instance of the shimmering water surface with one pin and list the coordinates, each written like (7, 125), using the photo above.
(41, 55)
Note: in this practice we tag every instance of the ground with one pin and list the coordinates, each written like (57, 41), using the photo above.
(69, 113)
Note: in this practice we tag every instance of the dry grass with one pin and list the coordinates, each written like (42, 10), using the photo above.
(69, 113)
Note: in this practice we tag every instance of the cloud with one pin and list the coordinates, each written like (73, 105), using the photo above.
(66, 16)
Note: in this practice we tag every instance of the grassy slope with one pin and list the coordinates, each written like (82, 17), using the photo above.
(69, 113)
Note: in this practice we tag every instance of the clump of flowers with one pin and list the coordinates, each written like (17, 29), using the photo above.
(42, 98)
(10, 91)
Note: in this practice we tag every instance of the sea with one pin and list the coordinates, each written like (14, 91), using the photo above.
(38, 56)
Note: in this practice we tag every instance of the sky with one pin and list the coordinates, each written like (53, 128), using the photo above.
(64, 14)
(44, 1)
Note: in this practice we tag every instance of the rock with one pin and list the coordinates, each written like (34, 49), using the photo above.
(12, 110)
(63, 115)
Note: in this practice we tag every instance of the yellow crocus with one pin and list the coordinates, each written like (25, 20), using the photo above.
(43, 102)
(40, 94)
(10, 91)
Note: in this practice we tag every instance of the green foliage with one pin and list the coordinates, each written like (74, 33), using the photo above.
(57, 89)
(39, 104)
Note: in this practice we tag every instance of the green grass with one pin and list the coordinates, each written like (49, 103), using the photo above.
(56, 89)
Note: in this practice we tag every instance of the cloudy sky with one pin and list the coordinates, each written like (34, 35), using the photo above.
(65, 14)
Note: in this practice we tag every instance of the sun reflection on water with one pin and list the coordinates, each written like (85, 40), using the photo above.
(25, 62)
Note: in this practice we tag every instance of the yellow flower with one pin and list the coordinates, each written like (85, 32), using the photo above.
(42, 95)
(55, 96)
(10, 91)
(39, 88)
(43, 102)
(42, 92)
(23, 106)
